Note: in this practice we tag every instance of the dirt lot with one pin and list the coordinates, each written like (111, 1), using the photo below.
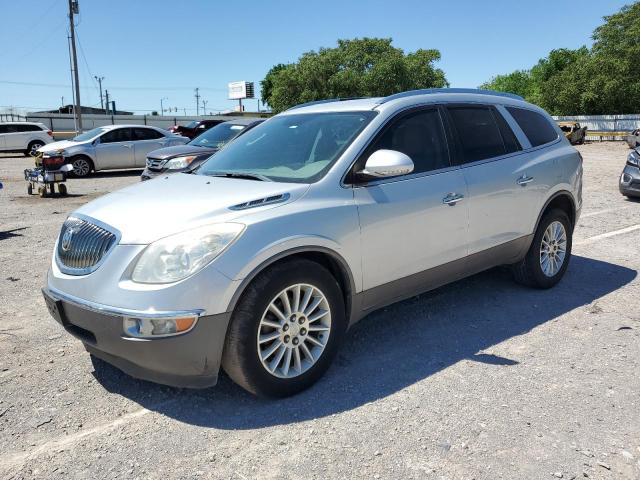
(482, 379)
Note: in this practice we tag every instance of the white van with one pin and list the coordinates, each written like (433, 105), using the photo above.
(24, 137)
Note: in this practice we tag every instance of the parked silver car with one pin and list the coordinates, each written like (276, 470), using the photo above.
(261, 260)
(111, 147)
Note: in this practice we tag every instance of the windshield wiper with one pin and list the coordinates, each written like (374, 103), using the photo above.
(242, 175)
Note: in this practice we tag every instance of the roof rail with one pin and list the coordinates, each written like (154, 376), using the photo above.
(328, 100)
(428, 91)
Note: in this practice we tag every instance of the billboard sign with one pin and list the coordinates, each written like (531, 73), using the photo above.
(240, 90)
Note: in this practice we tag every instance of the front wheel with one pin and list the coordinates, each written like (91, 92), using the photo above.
(81, 167)
(285, 330)
(548, 257)
(33, 147)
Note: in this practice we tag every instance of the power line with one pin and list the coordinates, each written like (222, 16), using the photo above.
(59, 85)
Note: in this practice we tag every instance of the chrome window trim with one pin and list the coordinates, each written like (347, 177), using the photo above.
(86, 271)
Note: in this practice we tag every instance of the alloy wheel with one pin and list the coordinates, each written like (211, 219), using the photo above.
(294, 330)
(553, 248)
(81, 167)
(34, 148)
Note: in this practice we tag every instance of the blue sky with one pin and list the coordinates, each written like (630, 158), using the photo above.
(147, 50)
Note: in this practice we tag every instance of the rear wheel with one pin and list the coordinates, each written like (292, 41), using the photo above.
(82, 166)
(549, 254)
(33, 147)
(285, 330)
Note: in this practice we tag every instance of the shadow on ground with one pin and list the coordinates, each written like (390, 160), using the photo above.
(12, 233)
(112, 174)
(392, 349)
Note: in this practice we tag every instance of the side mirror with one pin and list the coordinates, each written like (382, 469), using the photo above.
(96, 142)
(387, 163)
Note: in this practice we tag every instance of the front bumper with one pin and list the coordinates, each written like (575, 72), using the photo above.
(629, 183)
(191, 359)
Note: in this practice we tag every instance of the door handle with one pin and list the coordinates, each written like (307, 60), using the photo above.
(523, 180)
(452, 198)
(128, 145)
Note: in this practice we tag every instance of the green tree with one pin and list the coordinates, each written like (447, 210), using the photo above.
(266, 85)
(355, 68)
(602, 80)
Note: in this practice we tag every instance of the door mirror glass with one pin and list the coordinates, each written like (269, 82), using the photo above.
(387, 163)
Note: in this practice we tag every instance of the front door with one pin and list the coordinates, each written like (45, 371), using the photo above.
(115, 150)
(414, 223)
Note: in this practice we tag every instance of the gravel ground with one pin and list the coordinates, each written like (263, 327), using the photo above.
(482, 379)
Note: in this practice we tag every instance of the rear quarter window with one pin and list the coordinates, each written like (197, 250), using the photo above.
(535, 126)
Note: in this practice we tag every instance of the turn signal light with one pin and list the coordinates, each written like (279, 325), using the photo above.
(157, 327)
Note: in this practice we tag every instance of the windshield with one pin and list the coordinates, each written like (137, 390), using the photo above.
(89, 134)
(193, 124)
(217, 136)
(291, 148)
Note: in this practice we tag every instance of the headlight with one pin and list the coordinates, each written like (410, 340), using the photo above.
(176, 257)
(633, 159)
(179, 162)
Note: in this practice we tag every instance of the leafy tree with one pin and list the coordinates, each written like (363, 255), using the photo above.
(602, 80)
(356, 68)
(266, 85)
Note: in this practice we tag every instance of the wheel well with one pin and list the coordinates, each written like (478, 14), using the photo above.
(336, 267)
(563, 202)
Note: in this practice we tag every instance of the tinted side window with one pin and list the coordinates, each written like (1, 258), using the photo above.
(419, 135)
(478, 133)
(4, 129)
(511, 143)
(535, 126)
(117, 135)
(29, 128)
(146, 134)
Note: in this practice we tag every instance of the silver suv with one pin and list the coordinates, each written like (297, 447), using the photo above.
(261, 261)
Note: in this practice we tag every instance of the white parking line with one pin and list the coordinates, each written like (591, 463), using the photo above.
(600, 212)
(602, 236)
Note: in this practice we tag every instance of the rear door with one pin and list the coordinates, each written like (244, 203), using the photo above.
(13, 138)
(409, 224)
(115, 149)
(496, 170)
(146, 140)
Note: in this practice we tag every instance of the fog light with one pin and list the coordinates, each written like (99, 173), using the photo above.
(157, 327)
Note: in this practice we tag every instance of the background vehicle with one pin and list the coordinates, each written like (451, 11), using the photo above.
(305, 224)
(111, 147)
(633, 139)
(186, 158)
(25, 137)
(192, 129)
(574, 132)
(630, 178)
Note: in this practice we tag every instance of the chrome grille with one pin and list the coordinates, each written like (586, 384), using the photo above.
(82, 246)
(155, 163)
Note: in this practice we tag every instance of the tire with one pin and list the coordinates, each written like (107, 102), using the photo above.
(530, 270)
(82, 166)
(32, 147)
(242, 359)
(29, 189)
(62, 189)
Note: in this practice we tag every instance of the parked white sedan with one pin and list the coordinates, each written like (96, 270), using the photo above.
(111, 147)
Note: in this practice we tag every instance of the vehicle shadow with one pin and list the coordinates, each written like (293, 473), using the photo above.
(112, 174)
(391, 349)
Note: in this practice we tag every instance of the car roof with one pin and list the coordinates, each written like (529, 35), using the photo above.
(412, 97)
(21, 123)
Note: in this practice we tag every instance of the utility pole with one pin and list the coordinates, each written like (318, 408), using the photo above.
(197, 95)
(99, 79)
(204, 107)
(61, 102)
(161, 107)
(106, 98)
(73, 9)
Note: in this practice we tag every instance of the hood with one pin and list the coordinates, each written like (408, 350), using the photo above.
(154, 209)
(180, 150)
(52, 147)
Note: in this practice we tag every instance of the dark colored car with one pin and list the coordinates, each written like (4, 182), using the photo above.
(630, 178)
(195, 128)
(186, 158)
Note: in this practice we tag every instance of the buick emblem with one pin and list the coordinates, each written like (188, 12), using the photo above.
(66, 239)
